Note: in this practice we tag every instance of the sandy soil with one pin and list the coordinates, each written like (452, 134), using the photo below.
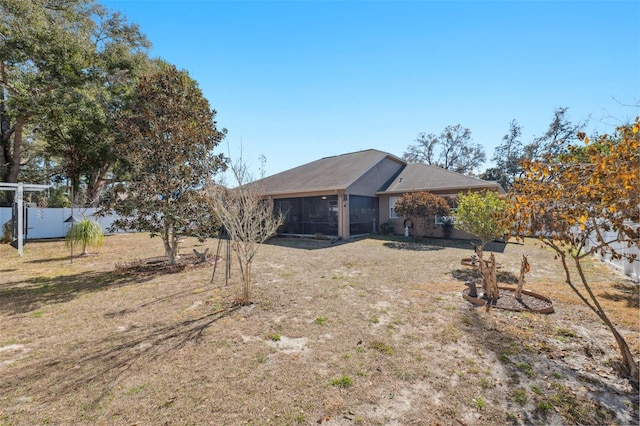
(373, 332)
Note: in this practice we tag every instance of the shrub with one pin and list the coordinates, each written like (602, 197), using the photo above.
(421, 207)
(386, 228)
(87, 232)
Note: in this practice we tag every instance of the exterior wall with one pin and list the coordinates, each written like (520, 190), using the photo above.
(371, 182)
(432, 230)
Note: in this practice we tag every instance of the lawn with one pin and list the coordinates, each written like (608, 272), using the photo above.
(371, 331)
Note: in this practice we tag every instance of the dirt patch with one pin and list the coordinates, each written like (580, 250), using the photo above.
(160, 265)
(528, 301)
(371, 331)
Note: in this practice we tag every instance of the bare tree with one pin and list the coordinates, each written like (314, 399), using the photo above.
(556, 140)
(508, 156)
(248, 218)
(451, 150)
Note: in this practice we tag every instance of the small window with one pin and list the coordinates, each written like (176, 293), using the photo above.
(392, 204)
(441, 220)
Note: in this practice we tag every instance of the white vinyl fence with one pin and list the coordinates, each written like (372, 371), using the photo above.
(50, 223)
(630, 268)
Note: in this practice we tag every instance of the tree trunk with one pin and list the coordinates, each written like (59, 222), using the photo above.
(488, 272)
(170, 246)
(14, 169)
(492, 282)
(524, 268)
(246, 285)
(629, 366)
(6, 131)
(481, 268)
(96, 185)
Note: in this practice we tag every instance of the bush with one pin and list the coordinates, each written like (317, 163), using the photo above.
(386, 228)
(87, 233)
(421, 207)
(447, 228)
(479, 214)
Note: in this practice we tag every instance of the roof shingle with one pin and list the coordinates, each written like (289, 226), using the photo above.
(327, 174)
(426, 177)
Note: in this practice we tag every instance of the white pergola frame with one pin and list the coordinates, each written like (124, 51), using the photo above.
(19, 188)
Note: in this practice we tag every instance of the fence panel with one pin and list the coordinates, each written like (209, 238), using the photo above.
(50, 222)
(630, 268)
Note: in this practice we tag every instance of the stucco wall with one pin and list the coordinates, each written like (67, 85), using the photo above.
(375, 178)
(432, 230)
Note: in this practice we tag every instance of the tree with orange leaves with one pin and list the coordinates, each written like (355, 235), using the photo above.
(574, 200)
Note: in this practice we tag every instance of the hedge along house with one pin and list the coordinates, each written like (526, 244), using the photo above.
(350, 194)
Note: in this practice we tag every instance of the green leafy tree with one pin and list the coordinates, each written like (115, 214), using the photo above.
(453, 150)
(87, 233)
(480, 214)
(78, 122)
(583, 203)
(51, 51)
(421, 208)
(172, 134)
(42, 49)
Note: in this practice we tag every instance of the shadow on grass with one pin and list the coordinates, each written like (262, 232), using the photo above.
(304, 243)
(628, 292)
(420, 243)
(30, 294)
(308, 242)
(412, 246)
(395, 242)
(470, 274)
(27, 295)
(538, 378)
(54, 259)
(99, 365)
(466, 274)
(430, 244)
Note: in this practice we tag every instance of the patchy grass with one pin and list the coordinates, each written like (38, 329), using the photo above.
(342, 382)
(109, 340)
(320, 320)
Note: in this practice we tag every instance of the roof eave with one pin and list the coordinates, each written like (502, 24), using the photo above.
(307, 191)
(445, 188)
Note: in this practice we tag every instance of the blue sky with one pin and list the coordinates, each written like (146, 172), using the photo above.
(295, 81)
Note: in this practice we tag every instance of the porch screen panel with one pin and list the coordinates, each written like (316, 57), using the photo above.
(309, 215)
(363, 214)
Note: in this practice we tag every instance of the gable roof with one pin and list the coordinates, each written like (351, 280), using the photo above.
(426, 177)
(327, 174)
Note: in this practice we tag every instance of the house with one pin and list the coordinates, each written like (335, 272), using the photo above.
(351, 194)
(434, 179)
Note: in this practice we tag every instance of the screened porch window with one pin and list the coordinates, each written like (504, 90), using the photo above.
(363, 214)
(308, 215)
